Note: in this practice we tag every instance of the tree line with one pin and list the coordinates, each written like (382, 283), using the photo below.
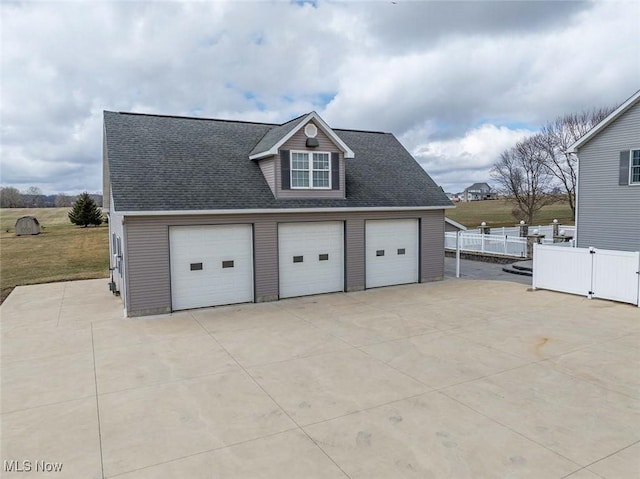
(540, 170)
(32, 197)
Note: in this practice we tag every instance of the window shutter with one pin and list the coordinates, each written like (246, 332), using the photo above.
(284, 169)
(335, 171)
(623, 178)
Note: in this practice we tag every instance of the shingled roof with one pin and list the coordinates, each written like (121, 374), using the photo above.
(274, 134)
(165, 163)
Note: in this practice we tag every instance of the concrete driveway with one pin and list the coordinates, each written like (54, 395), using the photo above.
(478, 379)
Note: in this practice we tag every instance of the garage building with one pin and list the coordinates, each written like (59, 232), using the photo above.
(207, 212)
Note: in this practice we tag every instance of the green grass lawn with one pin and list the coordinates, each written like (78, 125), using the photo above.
(498, 213)
(62, 252)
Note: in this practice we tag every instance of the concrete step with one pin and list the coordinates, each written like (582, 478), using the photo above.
(513, 270)
(523, 265)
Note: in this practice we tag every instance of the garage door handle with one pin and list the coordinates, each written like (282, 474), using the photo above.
(298, 259)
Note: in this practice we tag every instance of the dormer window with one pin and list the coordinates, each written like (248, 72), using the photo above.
(310, 170)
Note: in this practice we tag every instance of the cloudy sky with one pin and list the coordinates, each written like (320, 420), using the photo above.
(457, 82)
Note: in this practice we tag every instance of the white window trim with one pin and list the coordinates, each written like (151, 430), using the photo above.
(310, 170)
(632, 183)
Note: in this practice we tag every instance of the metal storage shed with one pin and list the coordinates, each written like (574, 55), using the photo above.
(28, 225)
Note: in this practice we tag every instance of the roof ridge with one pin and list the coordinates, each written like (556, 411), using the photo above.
(180, 117)
(273, 125)
(294, 119)
(362, 131)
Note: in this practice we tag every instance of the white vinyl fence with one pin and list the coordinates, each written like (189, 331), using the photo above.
(546, 230)
(595, 273)
(492, 244)
(568, 244)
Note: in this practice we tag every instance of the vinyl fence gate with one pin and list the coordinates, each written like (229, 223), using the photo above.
(591, 272)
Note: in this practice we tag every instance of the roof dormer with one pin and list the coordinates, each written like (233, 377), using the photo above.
(270, 143)
(303, 158)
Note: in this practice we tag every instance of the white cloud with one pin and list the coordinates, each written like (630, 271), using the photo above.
(430, 72)
(460, 162)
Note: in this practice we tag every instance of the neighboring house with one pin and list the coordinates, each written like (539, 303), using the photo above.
(608, 193)
(477, 192)
(207, 212)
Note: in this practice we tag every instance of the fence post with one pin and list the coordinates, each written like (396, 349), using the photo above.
(458, 234)
(504, 243)
(535, 255)
(524, 229)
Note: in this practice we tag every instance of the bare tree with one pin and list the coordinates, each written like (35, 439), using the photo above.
(10, 197)
(554, 141)
(33, 197)
(523, 177)
(63, 200)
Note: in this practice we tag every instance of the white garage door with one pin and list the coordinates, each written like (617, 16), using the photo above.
(310, 258)
(211, 265)
(392, 252)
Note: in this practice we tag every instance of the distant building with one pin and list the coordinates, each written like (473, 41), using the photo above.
(478, 192)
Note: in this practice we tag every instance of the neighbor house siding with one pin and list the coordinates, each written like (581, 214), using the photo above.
(298, 142)
(268, 170)
(148, 243)
(608, 215)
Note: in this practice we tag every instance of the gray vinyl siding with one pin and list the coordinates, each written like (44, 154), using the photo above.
(148, 255)
(265, 235)
(432, 246)
(450, 228)
(355, 258)
(298, 142)
(148, 277)
(608, 214)
(268, 170)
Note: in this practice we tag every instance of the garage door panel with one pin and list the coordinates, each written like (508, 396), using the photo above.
(311, 258)
(211, 265)
(391, 252)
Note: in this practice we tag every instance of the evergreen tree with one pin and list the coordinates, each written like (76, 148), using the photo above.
(85, 211)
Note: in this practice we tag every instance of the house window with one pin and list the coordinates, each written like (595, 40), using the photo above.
(310, 170)
(634, 166)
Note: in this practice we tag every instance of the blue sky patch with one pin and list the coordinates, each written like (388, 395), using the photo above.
(301, 3)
